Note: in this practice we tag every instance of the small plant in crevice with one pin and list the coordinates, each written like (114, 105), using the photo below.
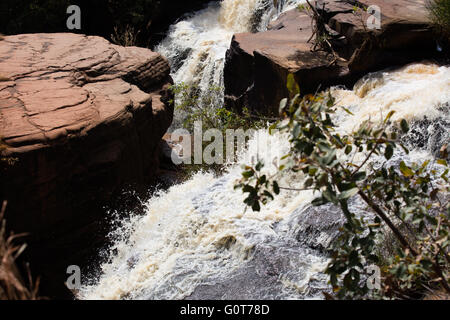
(322, 35)
(205, 107)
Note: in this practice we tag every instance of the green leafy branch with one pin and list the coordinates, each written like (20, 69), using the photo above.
(399, 195)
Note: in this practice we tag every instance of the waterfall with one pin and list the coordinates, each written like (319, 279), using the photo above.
(198, 241)
(196, 46)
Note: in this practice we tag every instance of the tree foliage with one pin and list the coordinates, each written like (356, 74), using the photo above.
(205, 106)
(403, 195)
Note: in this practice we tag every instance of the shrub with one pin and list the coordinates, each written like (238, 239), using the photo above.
(205, 106)
(409, 201)
(197, 105)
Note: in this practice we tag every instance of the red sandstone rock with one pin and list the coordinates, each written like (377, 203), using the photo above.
(263, 60)
(85, 119)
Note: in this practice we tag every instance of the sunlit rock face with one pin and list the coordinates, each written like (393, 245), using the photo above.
(84, 119)
(198, 240)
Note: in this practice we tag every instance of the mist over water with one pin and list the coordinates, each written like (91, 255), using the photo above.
(197, 240)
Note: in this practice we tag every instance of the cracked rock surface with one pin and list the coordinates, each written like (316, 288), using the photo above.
(84, 118)
(63, 84)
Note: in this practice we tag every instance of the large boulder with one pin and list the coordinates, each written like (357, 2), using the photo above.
(405, 34)
(262, 61)
(84, 120)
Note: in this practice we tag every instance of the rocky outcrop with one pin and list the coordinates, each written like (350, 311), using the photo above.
(84, 120)
(263, 60)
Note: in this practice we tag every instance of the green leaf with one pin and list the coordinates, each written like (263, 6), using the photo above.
(256, 206)
(442, 162)
(296, 131)
(389, 152)
(248, 174)
(444, 176)
(248, 189)
(406, 171)
(292, 85)
(283, 104)
(269, 195)
(348, 194)
(263, 179)
(272, 128)
(405, 126)
(276, 188)
(359, 176)
(348, 111)
(259, 166)
(348, 150)
(319, 202)
(330, 195)
(394, 136)
(404, 148)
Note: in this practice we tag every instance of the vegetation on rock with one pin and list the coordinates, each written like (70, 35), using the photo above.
(205, 107)
(440, 16)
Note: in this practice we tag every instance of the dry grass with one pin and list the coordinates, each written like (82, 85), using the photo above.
(126, 37)
(12, 284)
(438, 295)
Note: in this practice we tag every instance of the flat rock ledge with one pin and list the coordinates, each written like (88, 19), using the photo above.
(84, 119)
(257, 64)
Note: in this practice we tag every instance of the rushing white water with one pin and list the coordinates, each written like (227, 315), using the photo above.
(197, 241)
(196, 46)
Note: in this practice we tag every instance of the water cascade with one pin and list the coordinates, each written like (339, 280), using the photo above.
(196, 46)
(198, 241)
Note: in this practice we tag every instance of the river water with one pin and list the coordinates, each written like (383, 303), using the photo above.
(198, 241)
